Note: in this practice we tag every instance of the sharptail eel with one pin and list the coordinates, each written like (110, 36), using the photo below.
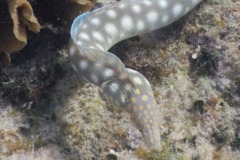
(93, 33)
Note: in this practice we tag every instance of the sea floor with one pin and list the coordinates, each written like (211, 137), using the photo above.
(47, 112)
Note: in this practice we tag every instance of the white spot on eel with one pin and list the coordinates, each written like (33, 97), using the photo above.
(83, 64)
(114, 87)
(163, 4)
(111, 14)
(137, 9)
(127, 22)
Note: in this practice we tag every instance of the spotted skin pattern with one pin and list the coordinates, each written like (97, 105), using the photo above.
(93, 33)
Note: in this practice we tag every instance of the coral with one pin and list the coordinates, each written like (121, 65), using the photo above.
(85, 5)
(13, 24)
(19, 16)
(61, 13)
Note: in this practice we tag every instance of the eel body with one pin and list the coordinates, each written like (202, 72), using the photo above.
(93, 33)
